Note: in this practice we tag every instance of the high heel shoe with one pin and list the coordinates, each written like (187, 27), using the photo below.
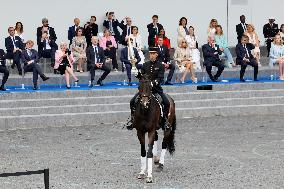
(68, 87)
(194, 80)
(77, 81)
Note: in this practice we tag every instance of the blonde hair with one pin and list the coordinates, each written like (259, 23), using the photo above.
(250, 25)
(213, 20)
(181, 41)
(30, 42)
(281, 40)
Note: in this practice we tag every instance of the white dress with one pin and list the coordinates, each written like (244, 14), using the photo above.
(138, 44)
(20, 35)
(211, 32)
(194, 52)
(253, 40)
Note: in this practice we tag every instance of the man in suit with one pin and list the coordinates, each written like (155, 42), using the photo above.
(244, 57)
(90, 30)
(126, 30)
(269, 31)
(47, 47)
(241, 28)
(72, 29)
(30, 59)
(211, 52)
(3, 69)
(112, 25)
(153, 30)
(45, 28)
(14, 46)
(127, 60)
(164, 58)
(96, 60)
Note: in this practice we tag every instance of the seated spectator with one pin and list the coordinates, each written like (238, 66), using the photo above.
(96, 60)
(126, 30)
(221, 41)
(91, 29)
(130, 57)
(182, 29)
(45, 28)
(14, 46)
(277, 54)
(281, 32)
(79, 46)
(47, 47)
(72, 30)
(138, 43)
(193, 46)
(30, 60)
(212, 27)
(184, 61)
(19, 31)
(253, 39)
(112, 25)
(108, 43)
(64, 63)
(154, 30)
(166, 42)
(3, 70)
(211, 52)
(164, 58)
(244, 57)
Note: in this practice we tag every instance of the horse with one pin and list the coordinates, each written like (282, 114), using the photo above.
(148, 119)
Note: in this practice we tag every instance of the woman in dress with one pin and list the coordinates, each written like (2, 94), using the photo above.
(108, 43)
(221, 41)
(212, 27)
(166, 42)
(182, 29)
(281, 32)
(277, 55)
(79, 46)
(193, 46)
(184, 61)
(64, 60)
(137, 43)
(19, 31)
(253, 39)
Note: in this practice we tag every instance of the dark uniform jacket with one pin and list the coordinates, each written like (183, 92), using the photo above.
(269, 31)
(156, 71)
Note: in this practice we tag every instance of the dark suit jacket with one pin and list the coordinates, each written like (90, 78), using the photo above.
(151, 30)
(91, 55)
(10, 47)
(241, 52)
(26, 58)
(41, 46)
(124, 33)
(124, 56)
(209, 53)
(71, 33)
(164, 55)
(115, 25)
(240, 31)
(269, 31)
(52, 34)
(2, 57)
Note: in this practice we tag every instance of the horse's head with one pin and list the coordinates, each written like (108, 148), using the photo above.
(145, 91)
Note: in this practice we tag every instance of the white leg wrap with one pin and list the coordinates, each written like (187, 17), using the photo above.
(162, 158)
(143, 164)
(155, 148)
(150, 164)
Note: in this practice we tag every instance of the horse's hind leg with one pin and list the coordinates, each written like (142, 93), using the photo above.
(163, 152)
(142, 172)
(151, 137)
(155, 149)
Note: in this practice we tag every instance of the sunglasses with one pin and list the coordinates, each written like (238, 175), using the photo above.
(183, 42)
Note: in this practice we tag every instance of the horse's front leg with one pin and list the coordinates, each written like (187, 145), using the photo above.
(141, 137)
(151, 138)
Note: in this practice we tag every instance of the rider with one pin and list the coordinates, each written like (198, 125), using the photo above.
(155, 70)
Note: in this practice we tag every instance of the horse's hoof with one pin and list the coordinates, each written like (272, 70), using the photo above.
(160, 168)
(156, 160)
(149, 180)
(141, 175)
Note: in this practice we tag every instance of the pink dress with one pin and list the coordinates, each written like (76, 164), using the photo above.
(58, 59)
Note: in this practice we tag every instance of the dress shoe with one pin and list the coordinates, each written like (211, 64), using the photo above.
(242, 80)
(20, 73)
(129, 84)
(2, 88)
(168, 83)
(77, 81)
(256, 80)
(100, 83)
(44, 78)
(13, 66)
(35, 87)
(91, 85)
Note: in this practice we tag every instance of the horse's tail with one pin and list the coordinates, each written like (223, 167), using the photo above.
(171, 138)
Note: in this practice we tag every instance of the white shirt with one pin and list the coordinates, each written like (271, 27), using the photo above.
(47, 46)
(14, 41)
(96, 51)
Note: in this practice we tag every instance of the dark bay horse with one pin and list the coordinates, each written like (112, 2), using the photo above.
(148, 119)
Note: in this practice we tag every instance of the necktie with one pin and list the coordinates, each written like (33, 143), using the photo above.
(96, 55)
(14, 41)
(29, 53)
(110, 26)
(247, 53)
(44, 46)
(245, 27)
(128, 31)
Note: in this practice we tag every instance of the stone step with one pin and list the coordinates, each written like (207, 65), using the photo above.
(111, 100)
(63, 109)
(120, 117)
(121, 91)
